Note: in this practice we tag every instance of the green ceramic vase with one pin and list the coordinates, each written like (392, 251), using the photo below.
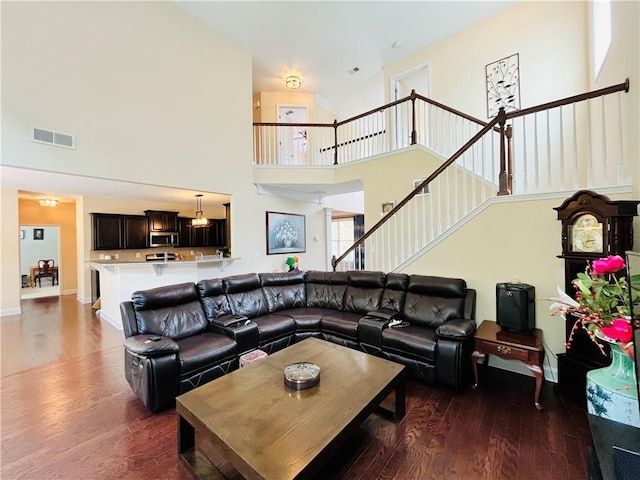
(612, 391)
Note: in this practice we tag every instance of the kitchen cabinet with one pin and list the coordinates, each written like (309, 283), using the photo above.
(212, 236)
(116, 232)
(161, 221)
(136, 231)
(218, 232)
(107, 231)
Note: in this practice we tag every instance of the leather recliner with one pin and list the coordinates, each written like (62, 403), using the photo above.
(169, 348)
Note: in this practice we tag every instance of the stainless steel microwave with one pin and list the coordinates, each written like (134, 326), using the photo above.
(163, 239)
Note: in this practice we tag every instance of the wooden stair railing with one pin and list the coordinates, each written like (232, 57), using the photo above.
(500, 118)
(506, 167)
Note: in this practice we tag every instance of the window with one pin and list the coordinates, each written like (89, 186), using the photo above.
(601, 33)
(342, 237)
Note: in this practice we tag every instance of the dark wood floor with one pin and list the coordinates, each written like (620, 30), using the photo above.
(68, 413)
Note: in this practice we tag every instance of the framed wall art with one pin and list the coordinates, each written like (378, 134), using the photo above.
(503, 85)
(386, 207)
(424, 190)
(286, 233)
(38, 233)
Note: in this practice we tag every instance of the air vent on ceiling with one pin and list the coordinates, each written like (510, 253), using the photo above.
(53, 138)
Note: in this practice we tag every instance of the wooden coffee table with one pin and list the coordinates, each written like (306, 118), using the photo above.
(269, 431)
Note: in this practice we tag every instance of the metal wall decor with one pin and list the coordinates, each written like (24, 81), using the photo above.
(503, 85)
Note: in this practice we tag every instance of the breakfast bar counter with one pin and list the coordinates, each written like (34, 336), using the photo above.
(119, 279)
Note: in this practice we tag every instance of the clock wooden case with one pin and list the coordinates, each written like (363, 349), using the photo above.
(593, 226)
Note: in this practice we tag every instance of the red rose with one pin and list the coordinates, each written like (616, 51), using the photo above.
(611, 264)
(620, 330)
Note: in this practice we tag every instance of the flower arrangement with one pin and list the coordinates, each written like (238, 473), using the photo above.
(602, 303)
(285, 234)
(292, 262)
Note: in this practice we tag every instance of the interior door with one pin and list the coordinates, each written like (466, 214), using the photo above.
(416, 79)
(292, 140)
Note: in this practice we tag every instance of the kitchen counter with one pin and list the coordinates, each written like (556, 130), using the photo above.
(159, 266)
(119, 279)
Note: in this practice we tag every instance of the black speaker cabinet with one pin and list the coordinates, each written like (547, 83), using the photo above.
(515, 307)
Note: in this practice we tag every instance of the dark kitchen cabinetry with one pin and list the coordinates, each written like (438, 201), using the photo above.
(212, 236)
(160, 221)
(116, 232)
(136, 231)
(218, 232)
(107, 231)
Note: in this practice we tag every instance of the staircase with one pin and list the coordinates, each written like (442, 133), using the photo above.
(565, 145)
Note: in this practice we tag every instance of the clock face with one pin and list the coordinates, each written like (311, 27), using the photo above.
(586, 234)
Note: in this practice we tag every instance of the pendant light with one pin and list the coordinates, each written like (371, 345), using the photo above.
(199, 220)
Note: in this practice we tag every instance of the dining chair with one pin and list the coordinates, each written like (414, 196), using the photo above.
(46, 268)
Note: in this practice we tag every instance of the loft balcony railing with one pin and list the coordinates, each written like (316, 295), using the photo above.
(568, 144)
(409, 121)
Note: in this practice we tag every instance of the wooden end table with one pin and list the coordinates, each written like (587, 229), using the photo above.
(528, 348)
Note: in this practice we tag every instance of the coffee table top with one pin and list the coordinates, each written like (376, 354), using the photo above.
(267, 430)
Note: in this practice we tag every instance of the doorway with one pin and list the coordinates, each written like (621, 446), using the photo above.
(292, 141)
(38, 242)
(419, 79)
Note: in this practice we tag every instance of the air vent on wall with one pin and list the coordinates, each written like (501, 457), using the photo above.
(53, 138)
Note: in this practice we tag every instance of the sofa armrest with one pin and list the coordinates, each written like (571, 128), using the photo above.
(457, 329)
(240, 328)
(384, 314)
(151, 345)
(230, 321)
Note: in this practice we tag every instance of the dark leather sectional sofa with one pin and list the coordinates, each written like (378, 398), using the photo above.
(181, 336)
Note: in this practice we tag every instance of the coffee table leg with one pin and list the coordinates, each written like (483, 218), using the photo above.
(400, 399)
(186, 436)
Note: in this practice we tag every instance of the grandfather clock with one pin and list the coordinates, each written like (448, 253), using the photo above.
(592, 227)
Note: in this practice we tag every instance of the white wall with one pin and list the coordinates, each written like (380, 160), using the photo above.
(153, 96)
(550, 38)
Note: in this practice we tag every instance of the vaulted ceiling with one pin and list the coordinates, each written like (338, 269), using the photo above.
(322, 40)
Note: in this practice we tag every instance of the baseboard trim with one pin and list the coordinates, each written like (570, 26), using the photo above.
(10, 311)
(110, 320)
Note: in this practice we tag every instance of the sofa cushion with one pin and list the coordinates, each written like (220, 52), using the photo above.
(204, 350)
(363, 292)
(326, 289)
(344, 324)
(284, 290)
(431, 301)
(171, 311)
(162, 297)
(213, 299)
(175, 322)
(307, 319)
(394, 292)
(245, 295)
(410, 341)
(273, 326)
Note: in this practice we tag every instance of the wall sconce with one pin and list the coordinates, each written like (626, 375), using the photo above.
(293, 82)
(48, 202)
(199, 220)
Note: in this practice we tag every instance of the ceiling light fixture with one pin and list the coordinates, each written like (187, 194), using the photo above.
(199, 220)
(293, 82)
(48, 202)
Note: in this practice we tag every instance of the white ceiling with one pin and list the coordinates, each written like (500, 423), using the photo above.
(36, 184)
(322, 40)
(325, 40)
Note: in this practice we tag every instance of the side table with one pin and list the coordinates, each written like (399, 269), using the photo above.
(528, 348)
